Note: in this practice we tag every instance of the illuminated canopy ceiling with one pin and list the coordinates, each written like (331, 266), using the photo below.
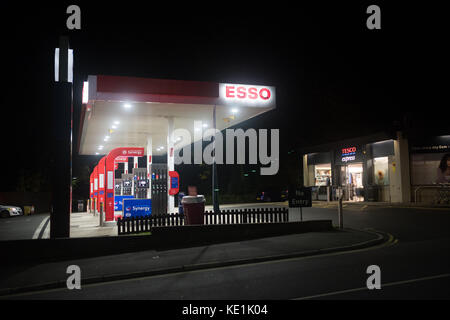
(128, 110)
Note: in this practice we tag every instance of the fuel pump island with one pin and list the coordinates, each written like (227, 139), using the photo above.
(126, 121)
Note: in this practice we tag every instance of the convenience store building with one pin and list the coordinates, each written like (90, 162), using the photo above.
(381, 167)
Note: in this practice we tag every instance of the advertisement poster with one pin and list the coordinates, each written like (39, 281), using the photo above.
(430, 168)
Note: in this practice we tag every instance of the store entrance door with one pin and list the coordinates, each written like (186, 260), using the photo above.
(352, 182)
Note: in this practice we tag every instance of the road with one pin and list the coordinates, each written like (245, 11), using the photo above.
(417, 266)
(24, 227)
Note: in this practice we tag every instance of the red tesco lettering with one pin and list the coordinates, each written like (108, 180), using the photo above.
(348, 150)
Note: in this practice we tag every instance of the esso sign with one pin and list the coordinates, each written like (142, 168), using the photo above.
(244, 92)
(246, 95)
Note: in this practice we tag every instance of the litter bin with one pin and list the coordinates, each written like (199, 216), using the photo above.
(27, 210)
(80, 205)
(180, 205)
(194, 209)
(371, 194)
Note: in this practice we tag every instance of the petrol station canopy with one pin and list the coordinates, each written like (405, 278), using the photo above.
(124, 111)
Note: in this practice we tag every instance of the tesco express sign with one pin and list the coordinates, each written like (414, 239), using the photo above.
(246, 94)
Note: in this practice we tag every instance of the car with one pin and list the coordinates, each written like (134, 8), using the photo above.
(10, 211)
(272, 195)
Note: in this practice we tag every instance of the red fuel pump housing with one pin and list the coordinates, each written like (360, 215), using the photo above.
(174, 183)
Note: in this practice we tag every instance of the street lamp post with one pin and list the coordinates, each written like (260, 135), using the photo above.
(62, 143)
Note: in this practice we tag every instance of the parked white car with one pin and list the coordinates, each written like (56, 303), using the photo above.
(10, 211)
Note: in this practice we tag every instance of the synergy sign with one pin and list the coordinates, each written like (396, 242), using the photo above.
(136, 207)
(248, 95)
(348, 154)
(133, 152)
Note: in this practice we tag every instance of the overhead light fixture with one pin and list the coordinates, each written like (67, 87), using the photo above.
(197, 129)
(114, 127)
(161, 147)
(205, 125)
(116, 122)
(234, 110)
(127, 105)
(85, 97)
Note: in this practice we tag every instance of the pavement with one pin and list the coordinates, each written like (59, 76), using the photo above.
(333, 204)
(84, 224)
(29, 278)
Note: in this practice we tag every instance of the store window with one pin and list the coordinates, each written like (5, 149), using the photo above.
(381, 171)
(430, 168)
(322, 174)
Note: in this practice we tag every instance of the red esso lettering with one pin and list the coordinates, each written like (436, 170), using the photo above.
(250, 93)
(229, 91)
(253, 93)
(241, 92)
(264, 93)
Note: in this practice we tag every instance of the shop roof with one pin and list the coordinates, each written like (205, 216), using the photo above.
(326, 147)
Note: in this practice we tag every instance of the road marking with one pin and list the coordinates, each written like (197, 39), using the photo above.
(44, 234)
(425, 208)
(38, 229)
(389, 284)
(365, 206)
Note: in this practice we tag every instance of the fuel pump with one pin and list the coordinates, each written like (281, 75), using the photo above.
(127, 184)
(159, 188)
(141, 183)
(118, 187)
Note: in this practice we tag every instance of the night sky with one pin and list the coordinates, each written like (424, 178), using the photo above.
(335, 78)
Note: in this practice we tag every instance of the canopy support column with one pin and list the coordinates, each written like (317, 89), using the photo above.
(149, 166)
(170, 164)
(215, 181)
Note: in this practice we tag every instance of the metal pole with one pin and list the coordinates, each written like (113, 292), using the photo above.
(101, 214)
(328, 194)
(340, 213)
(215, 184)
